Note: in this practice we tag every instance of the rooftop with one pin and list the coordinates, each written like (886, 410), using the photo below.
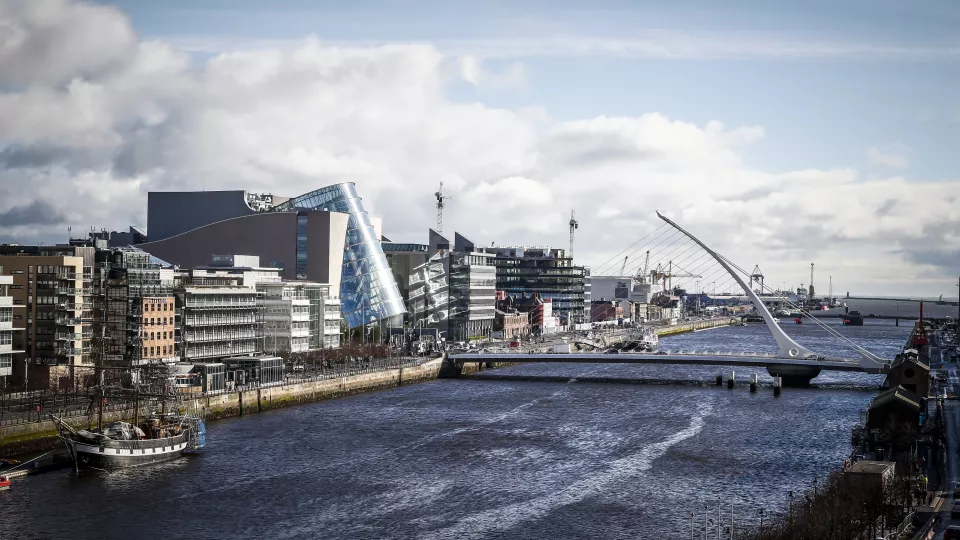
(897, 395)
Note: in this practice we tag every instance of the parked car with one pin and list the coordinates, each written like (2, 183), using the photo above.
(952, 533)
(955, 511)
(956, 490)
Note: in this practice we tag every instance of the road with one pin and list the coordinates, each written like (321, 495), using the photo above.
(951, 412)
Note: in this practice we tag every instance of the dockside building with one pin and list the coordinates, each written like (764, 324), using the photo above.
(324, 236)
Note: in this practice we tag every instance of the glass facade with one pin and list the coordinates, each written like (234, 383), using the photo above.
(301, 247)
(368, 292)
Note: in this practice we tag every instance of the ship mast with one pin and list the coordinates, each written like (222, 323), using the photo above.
(100, 378)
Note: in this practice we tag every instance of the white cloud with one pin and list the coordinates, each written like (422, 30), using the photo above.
(83, 141)
(657, 44)
(895, 156)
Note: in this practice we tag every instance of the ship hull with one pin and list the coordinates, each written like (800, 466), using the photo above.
(125, 454)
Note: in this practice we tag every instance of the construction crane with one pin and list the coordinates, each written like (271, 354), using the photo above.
(441, 202)
(623, 267)
(574, 225)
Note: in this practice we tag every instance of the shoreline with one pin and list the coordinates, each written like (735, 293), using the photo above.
(34, 437)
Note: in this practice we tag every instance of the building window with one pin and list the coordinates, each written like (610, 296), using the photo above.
(301, 247)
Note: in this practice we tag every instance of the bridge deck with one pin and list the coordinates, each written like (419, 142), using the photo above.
(675, 359)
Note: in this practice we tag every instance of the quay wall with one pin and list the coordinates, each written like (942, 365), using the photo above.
(693, 326)
(31, 437)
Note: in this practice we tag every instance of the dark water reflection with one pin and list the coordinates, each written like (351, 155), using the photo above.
(481, 458)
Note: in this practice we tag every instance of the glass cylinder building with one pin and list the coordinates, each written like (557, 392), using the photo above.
(368, 292)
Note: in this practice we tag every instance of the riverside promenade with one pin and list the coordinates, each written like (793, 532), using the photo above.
(33, 434)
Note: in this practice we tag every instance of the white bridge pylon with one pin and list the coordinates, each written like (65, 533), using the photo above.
(788, 347)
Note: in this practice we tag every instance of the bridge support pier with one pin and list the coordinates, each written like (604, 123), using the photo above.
(450, 369)
(794, 375)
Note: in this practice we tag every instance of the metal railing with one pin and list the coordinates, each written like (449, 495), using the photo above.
(20, 407)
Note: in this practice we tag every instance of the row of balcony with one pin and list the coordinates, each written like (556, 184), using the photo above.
(205, 338)
(220, 321)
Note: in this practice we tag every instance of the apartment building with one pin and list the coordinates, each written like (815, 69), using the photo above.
(220, 321)
(7, 328)
(52, 294)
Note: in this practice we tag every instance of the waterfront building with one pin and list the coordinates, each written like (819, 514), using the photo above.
(136, 308)
(324, 236)
(51, 289)
(606, 310)
(911, 373)
(453, 291)
(549, 273)
(207, 378)
(510, 325)
(403, 258)
(299, 316)
(7, 327)
(220, 321)
(255, 370)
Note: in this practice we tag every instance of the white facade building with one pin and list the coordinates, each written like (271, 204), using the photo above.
(6, 326)
(299, 316)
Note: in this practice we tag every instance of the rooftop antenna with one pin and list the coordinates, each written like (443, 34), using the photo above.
(441, 199)
(573, 226)
(69, 233)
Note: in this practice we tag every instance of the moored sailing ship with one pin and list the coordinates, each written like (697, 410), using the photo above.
(118, 445)
(165, 433)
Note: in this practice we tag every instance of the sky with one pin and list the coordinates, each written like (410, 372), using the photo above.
(781, 132)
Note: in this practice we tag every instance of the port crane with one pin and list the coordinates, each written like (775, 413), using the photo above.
(642, 275)
(668, 275)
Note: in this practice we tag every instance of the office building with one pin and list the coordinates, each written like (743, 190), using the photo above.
(220, 321)
(325, 236)
(299, 316)
(547, 273)
(453, 290)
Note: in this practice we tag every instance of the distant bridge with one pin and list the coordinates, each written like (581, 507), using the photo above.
(795, 364)
(774, 363)
(895, 299)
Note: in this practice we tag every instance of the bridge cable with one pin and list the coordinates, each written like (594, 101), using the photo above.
(617, 256)
(815, 320)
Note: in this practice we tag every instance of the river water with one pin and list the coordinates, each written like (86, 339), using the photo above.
(486, 458)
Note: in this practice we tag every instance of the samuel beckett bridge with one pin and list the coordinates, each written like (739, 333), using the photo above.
(687, 257)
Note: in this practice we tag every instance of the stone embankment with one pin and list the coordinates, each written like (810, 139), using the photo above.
(693, 326)
(31, 437)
